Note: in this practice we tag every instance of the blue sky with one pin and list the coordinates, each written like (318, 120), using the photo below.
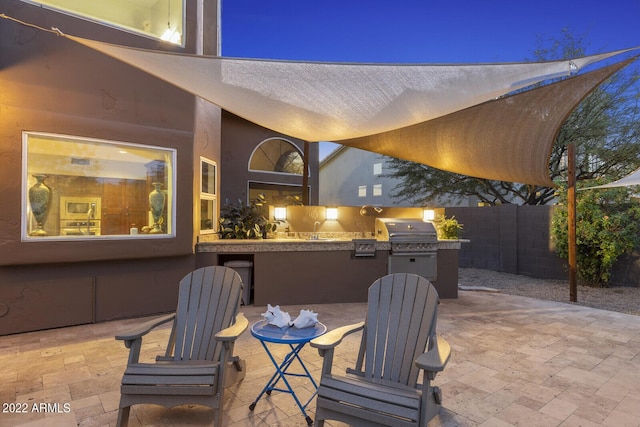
(421, 31)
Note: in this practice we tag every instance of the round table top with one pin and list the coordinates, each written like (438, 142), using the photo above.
(286, 335)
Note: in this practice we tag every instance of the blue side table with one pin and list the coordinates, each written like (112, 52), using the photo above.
(296, 339)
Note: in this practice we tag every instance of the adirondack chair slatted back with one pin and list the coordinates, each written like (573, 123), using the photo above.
(196, 323)
(401, 319)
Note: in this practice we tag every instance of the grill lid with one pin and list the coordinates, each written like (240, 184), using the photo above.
(405, 230)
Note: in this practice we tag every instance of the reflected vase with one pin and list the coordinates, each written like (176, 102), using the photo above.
(40, 202)
(156, 204)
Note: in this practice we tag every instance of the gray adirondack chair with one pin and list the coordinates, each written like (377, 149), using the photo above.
(398, 341)
(199, 361)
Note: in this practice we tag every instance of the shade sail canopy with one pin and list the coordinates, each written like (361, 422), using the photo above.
(385, 108)
(628, 181)
(335, 101)
(509, 139)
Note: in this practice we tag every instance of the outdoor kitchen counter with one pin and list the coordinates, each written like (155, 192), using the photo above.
(305, 245)
(297, 271)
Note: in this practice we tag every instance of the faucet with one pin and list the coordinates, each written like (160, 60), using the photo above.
(314, 235)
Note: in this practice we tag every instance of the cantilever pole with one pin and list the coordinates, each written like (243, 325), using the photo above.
(571, 221)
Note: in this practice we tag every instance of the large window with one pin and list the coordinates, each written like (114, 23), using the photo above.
(82, 188)
(162, 19)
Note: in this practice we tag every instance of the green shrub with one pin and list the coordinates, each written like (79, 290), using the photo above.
(606, 227)
(448, 228)
(243, 221)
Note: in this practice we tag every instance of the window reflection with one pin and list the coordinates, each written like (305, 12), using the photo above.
(276, 194)
(161, 19)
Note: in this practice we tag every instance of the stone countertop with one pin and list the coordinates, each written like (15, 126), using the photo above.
(302, 245)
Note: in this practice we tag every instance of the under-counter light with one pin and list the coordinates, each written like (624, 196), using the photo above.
(428, 215)
(332, 214)
(280, 213)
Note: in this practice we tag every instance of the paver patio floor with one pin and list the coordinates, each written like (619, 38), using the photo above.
(516, 361)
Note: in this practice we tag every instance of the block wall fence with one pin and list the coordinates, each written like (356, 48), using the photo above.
(517, 239)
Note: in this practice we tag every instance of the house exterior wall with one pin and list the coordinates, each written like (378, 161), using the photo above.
(52, 84)
(240, 139)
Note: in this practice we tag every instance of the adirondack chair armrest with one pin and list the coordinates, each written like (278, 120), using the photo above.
(435, 359)
(334, 337)
(143, 329)
(233, 332)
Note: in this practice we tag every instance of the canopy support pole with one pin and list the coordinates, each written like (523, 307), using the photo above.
(305, 174)
(571, 221)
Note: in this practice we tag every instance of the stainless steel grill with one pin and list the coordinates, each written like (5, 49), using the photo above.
(413, 245)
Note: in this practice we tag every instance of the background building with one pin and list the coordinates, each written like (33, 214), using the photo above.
(353, 177)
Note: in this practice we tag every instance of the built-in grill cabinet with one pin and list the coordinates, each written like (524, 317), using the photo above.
(413, 245)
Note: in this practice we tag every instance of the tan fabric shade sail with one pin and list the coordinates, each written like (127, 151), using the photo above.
(509, 139)
(389, 108)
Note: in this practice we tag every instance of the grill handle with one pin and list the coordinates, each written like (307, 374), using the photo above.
(415, 254)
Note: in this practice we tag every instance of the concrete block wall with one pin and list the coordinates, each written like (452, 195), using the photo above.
(536, 252)
(509, 238)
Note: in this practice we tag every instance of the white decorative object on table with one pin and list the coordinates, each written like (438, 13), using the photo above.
(306, 319)
(275, 316)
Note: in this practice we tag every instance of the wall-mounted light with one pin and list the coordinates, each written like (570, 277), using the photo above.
(428, 215)
(280, 213)
(332, 214)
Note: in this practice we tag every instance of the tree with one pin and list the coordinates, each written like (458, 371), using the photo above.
(607, 226)
(605, 129)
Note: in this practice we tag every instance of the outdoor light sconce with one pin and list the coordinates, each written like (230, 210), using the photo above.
(428, 215)
(280, 213)
(332, 214)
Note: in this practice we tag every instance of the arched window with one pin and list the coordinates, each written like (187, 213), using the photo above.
(277, 155)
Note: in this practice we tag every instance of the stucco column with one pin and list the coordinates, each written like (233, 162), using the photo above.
(207, 119)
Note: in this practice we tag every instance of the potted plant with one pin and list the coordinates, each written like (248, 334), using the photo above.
(448, 228)
(245, 221)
